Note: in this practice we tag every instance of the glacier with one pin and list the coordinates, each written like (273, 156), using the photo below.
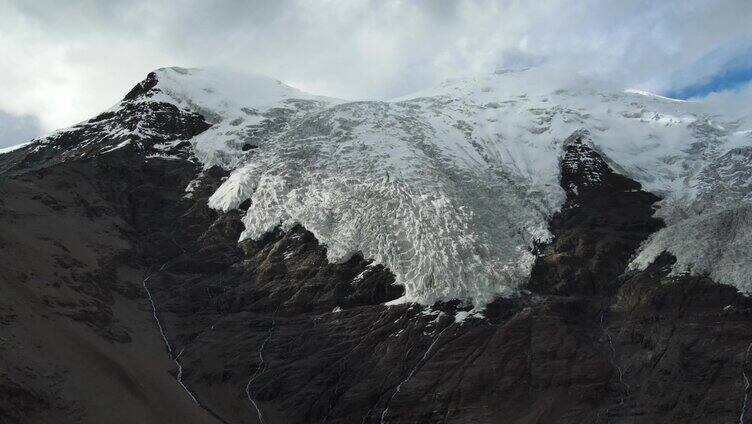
(452, 187)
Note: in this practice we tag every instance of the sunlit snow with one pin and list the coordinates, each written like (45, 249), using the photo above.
(14, 147)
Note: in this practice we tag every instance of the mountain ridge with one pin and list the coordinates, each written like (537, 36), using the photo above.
(469, 148)
(270, 329)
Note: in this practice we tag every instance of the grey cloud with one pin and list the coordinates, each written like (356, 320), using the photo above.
(16, 129)
(86, 54)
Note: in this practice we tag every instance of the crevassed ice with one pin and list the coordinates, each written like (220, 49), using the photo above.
(372, 178)
(712, 234)
(450, 188)
(716, 244)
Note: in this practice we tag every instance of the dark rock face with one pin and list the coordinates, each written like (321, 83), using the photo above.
(603, 221)
(143, 88)
(681, 344)
(77, 343)
(269, 331)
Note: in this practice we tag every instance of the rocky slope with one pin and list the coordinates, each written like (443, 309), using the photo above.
(128, 299)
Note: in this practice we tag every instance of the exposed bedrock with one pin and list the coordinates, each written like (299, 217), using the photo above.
(601, 224)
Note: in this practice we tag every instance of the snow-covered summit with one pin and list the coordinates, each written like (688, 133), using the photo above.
(241, 107)
(451, 187)
(220, 93)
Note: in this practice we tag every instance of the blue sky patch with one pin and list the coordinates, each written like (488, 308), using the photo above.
(731, 74)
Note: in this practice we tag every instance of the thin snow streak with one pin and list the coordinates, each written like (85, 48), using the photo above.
(414, 370)
(259, 370)
(155, 314)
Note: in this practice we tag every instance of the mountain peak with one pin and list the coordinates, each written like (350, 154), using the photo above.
(581, 165)
(143, 87)
(429, 171)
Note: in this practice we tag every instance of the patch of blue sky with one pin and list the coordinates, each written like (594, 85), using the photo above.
(729, 74)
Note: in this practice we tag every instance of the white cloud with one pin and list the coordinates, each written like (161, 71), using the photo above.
(65, 61)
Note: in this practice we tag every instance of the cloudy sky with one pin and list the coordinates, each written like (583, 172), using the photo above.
(64, 61)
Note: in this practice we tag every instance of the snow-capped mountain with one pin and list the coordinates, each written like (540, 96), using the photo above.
(451, 188)
(518, 247)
